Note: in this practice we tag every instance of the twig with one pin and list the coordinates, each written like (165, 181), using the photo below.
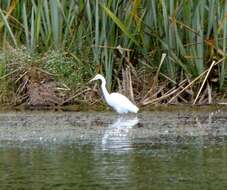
(21, 87)
(166, 95)
(208, 72)
(156, 75)
(10, 73)
(197, 78)
(162, 97)
(160, 65)
(72, 97)
(21, 76)
(146, 100)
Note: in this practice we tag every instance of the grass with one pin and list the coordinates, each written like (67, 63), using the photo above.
(124, 40)
(19, 69)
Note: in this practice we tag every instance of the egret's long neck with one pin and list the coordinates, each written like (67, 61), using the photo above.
(104, 90)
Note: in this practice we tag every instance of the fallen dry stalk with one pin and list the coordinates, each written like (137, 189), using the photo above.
(147, 100)
(166, 95)
(8, 74)
(197, 78)
(74, 96)
(208, 72)
(155, 83)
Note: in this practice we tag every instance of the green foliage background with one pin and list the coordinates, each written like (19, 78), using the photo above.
(85, 34)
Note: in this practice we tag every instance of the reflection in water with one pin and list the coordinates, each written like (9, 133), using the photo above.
(116, 142)
(207, 122)
(115, 137)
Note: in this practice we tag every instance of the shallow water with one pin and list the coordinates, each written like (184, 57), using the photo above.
(182, 149)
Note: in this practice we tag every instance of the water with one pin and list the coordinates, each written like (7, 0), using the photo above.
(182, 149)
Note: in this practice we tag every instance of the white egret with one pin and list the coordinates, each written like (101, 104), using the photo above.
(118, 102)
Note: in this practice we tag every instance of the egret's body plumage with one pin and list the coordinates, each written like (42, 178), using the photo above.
(118, 102)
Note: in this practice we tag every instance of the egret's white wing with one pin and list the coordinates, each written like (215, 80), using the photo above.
(121, 103)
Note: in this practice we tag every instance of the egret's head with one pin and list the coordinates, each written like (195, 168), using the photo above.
(97, 77)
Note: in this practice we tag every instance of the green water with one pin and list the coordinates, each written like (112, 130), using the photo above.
(153, 150)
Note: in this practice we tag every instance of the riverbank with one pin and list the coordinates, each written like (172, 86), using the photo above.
(55, 79)
(172, 53)
(167, 54)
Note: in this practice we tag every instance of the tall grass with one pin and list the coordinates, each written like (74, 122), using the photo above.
(192, 33)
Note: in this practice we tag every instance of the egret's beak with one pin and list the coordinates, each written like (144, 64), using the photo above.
(91, 80)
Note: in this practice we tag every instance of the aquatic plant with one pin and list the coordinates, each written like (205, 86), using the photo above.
(125, 40)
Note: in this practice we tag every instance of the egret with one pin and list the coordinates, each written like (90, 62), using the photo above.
(118, 102)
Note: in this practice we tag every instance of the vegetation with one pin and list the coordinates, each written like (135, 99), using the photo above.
(166, 51)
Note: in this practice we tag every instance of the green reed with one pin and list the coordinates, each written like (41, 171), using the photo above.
(192, 33)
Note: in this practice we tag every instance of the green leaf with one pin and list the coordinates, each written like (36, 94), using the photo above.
(120, 24)
(5, 21)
